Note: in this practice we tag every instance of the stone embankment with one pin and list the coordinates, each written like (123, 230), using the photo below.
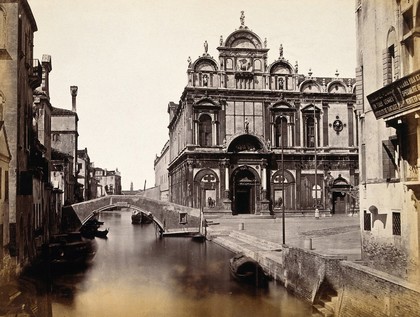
(320, 264)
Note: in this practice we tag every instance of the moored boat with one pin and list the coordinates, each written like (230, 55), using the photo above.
(69, 249)
(136, 217)
(140, 217)
(245, 269)
(101, 233)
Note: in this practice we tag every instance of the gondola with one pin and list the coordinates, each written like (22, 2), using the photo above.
(247, 270)
(138, 217)
(101, 233)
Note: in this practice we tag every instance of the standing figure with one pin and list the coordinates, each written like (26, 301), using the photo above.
(246, 125)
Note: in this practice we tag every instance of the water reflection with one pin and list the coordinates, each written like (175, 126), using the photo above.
(135, 273)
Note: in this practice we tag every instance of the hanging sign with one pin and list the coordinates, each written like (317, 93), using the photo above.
(397, 97)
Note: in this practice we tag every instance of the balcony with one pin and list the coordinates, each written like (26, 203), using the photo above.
(35, 74)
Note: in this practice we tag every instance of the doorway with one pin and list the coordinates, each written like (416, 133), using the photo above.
(243, 200)
(339, 203)
(244, 193)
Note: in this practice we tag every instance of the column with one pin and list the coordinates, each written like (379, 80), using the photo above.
(290, 133)
(227, 203)
(321, 129)
(190, 183)
(302, 129)
(214, 132)
(273, 129)
(264, 201)
(196, 132)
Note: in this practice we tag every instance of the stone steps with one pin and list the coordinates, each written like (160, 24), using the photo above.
(326, 305)
(262, 245)
(240, 242)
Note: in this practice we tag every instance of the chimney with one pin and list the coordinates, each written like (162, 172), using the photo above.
(73, 91)
(46, 69)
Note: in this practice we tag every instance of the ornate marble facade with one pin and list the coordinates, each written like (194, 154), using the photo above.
(240, 120)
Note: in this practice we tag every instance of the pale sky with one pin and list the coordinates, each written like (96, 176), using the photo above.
(129, 60)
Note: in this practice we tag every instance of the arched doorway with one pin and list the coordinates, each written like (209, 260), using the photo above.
(340, 199)
(245, 193)
(288, 184)
(206, 189)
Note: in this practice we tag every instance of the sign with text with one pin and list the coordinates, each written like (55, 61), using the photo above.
(397, 97)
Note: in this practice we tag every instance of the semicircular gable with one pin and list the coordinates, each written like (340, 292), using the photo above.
(310, 86)
(205, 64)
(281, 68)
(243, 39)
(336, 87)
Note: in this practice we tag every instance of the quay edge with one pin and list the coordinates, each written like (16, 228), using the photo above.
(309, 275)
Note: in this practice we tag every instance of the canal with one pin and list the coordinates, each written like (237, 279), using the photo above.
(136, 273)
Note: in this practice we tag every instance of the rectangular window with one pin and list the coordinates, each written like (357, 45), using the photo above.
(183, 218)
(367, 222)
(6, 185)
(396, 223)
(389, 166)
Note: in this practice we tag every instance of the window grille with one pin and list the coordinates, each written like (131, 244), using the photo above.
(396, 223)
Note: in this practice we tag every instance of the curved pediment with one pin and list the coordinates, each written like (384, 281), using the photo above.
(336, 87)
(246, 143)
(281, 67)
(310, 86)
(205, 64)
(245, 39)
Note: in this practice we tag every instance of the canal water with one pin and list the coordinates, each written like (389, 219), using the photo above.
(137, 273)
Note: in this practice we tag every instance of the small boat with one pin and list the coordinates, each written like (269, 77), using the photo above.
(140, 217)
(146, 219)
(199, 237)
(101, 233)
(245, 269)
(69, 249)
(136, 217)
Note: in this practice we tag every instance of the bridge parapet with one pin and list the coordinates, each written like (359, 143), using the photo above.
(170, 215)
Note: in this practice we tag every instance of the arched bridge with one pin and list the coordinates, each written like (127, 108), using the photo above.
(168, 217)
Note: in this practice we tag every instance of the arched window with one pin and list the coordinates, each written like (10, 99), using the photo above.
(205, 130)
(281, 132)
(310, 132)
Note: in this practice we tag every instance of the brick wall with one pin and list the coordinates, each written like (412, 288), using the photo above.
(368, 292)
(362, 291)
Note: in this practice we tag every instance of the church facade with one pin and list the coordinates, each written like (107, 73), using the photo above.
(249, 137)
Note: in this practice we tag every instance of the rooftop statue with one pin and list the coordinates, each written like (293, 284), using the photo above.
(242, 18)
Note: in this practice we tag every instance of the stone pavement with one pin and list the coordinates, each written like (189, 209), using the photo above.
(337, 235)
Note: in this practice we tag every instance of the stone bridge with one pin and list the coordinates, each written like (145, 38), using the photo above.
(168, 217)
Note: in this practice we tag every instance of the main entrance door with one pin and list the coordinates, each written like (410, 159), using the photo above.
(244, 193)
(243, 200)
